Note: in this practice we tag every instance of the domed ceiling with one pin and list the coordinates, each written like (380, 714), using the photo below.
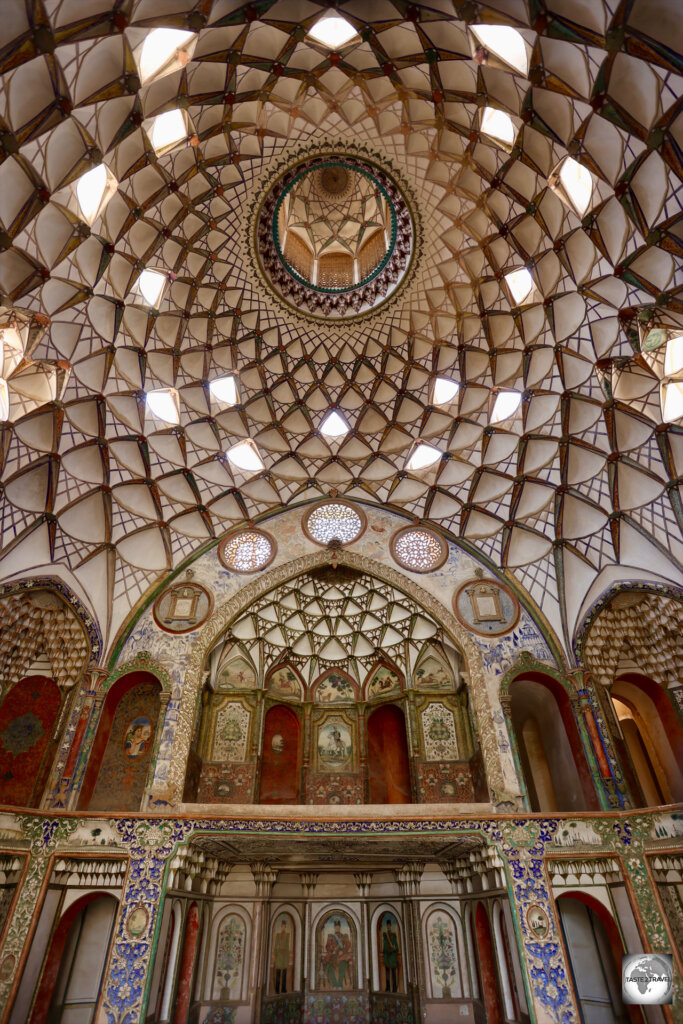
(550, 153)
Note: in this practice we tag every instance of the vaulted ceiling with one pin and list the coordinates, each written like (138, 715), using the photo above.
(583, 476)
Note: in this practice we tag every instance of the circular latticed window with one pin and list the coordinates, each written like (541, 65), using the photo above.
(333, 522)
(418, 549)
(247, 551)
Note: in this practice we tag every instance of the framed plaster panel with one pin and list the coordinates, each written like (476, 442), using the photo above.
(442, 952)
(229, 953)
(230, 730)
(278, 915)
(439, 732)
(383, 680)
(487, 607)
(336, 951)
(182, 607)
(375, 949)
(335, 742)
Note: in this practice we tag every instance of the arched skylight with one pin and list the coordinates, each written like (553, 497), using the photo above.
(671, 394)
(151, 284)
(505, 43)
(498, 125)
(334, 425)
(163, 404)
(332, 31)
(245, 456)
(159, 48)
(168, 130)
(506, 405)
(224, 389)
(423, 456)
(521, 283)
(4, 400)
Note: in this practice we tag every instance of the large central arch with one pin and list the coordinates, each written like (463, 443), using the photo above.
(171, 787)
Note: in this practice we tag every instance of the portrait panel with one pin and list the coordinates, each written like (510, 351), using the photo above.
(282, 952)
(389, 954)
(334, 744)
(137, 737)
(335, 954)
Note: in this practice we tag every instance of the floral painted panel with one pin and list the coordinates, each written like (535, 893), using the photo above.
(230, 957)
(231, 733)
(442, 953)
(438, 730)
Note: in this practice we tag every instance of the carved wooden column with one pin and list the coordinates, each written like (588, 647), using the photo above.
(610, 783)
(408, 877)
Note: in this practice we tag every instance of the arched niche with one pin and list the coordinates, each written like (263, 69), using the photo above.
(336, 952)
(390, 974)
(442, 954)
(120, 757)
(549, 745)
(280, 781)
(334, 687)
(382, 681)
(388, 758)
(653, 735)
(595, 949)
(28, 715)
(232, 934)
(77, 955)
(283, 973)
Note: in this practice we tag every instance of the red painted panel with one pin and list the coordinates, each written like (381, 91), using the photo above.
(27, 718)
(281, 758)
(182, 1003)
(388, 763)
(487, 967)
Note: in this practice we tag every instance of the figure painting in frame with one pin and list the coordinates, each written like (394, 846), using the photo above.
(282, 957)
(389, 953)
(336, 953)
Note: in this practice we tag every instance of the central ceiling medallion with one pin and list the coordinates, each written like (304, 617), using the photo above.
(334, 236)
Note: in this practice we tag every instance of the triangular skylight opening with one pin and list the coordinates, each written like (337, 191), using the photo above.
(445, 390)
(520, 283)
(163, 404)
(574, 184)
(505, 406)
(151, 284)
(94, 189)
(423, 456)
(334, 425)
(332, 30)
(245, 457)
(498, 125)
(168, 130)
(504, 42)
(225, 390)
(164, 50)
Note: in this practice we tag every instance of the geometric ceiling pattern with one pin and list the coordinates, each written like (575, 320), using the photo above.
(583, 476)
(333, 619)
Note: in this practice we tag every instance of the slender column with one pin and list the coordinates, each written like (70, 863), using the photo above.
(602, 757)
(169, 980)
(61, 791)
(182, 1005)
(546, 971)
(502, 964)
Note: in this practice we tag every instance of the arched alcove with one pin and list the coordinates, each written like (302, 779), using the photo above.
(388, 759)
(73, 969)
(27, 719)
(280, 781)
(653, 736)
(595, 949)
(549, 746)
(121, 753)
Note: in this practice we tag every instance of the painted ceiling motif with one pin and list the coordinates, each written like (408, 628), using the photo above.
(578, 476)
(328, 619)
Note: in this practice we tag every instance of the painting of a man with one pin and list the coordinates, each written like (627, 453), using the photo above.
(390, 953)
(336, 954)
(282, 949)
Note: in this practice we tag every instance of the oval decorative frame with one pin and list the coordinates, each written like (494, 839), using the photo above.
(486, 605)
(232, 536)
(423, 529)
(537, 921)
(137, 921)
(188, 584)
(333, 501)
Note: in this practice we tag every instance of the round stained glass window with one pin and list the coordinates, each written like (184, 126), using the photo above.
(247, 551)
(419, 549)
(334, 522)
